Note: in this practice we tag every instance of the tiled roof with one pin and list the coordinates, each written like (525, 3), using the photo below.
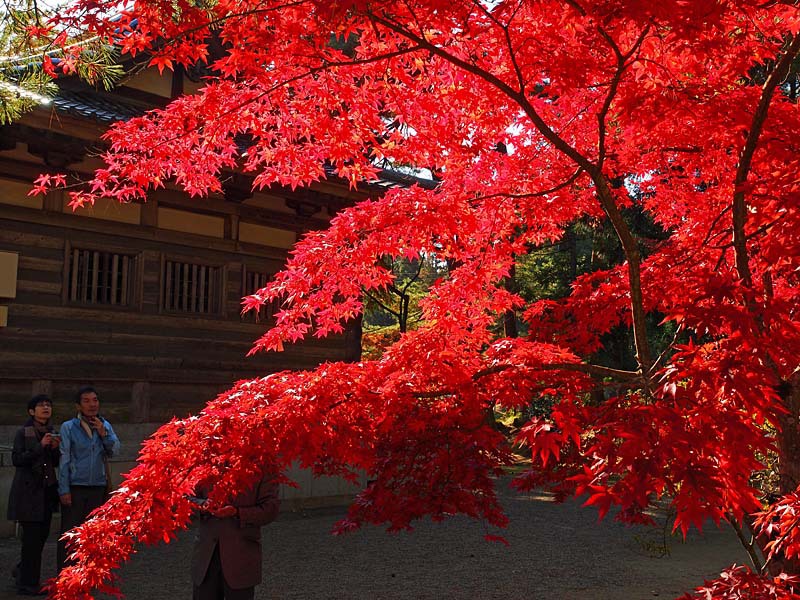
(107, 109)
(392, 178)
(94, 105)
(388, 178)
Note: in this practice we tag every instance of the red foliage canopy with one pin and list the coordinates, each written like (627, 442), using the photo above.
(580, 94)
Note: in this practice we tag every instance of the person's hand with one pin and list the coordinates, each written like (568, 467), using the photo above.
(199, 503)
(66, 499)
(224, 512)
(47, 440)
(98, 425)
(55, 441)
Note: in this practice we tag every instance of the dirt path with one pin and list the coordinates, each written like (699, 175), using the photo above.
(556, 552)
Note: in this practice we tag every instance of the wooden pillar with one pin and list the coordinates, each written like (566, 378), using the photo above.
(232, 227)
(140, 402)
(177, 82)
(149, 215)
(54, 201)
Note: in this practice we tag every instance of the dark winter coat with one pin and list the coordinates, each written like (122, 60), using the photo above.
(29, 496)
(239, 537)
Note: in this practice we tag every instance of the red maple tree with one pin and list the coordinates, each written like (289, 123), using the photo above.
(685, 102)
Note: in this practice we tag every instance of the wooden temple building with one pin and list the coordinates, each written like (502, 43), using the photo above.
(141, 300)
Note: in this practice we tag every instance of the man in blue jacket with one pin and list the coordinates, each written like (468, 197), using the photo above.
(87, 443)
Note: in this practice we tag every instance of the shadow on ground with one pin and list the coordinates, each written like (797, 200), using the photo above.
(556, 552)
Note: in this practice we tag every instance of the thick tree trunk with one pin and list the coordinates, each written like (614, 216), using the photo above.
(789, 436)
(788, 466)
(352, 340)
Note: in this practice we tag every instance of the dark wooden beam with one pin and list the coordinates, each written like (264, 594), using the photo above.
(238, 187)
(57, 151)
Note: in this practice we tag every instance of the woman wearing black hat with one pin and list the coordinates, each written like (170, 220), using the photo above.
(34, 491)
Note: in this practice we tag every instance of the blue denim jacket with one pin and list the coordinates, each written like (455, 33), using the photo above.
(82, 456)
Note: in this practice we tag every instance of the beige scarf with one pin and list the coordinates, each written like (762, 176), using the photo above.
(86, 427)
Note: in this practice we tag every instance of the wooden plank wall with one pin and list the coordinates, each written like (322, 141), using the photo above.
(147, 364)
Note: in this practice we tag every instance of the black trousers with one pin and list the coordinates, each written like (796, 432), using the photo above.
(34, 535)
(84, 500)
(214, 586)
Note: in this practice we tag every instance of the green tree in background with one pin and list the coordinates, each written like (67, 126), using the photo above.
(32, 43)
(23, 82)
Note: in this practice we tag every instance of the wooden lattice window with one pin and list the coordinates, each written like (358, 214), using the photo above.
(252, 281)
(97, 277)
(190, 287)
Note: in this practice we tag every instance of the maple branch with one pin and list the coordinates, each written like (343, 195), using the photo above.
(690, 256)
(687, 149)
(711, 227)
(606, 199)
(434, 394)
(507, 35)
(622, 65)
(577, 7)
(513, 57)
(663, 354)
(603, 112)
(381, 304)
(589, 369)
(596, 370)
(604, 194)
(767, 226)
(519, 97)
(634, 257)
(539, 194)
(413, 279)
(778, 544)
(211, 23)
(720, 260)
(762, 229)
(310, 73)
(749, 545)
(649, 61)
(746, 158)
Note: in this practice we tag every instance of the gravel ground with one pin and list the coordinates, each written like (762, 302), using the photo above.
(556, 552)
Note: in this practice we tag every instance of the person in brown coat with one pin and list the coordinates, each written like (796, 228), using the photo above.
(226, 562)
